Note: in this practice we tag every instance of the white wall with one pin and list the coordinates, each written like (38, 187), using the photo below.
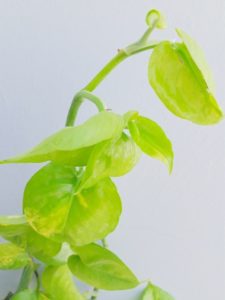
(173, 227)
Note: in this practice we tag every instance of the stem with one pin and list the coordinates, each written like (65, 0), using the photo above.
(105, 243)
(9, 295)
(78, 99)
(95, 296)
(116, 60)
(26, 278)
(141, 45)
(38, 280)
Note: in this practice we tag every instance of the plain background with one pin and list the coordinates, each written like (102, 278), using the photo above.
(173, 227)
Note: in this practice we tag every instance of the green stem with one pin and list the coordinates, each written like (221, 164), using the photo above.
(26, 278)
(38, 280)
(95, 295)
(112, 64)
(76, 103)
(105, 243)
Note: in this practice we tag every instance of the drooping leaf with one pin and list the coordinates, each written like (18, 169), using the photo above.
(59, 285)
(12, 257)
(180, 84)
(73, 145)
(110, 159)
(53, 208)
(153, 292)
(152, 140)
(101, 268)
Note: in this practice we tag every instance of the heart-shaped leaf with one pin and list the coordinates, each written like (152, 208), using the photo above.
(110, 159)
(12, 257)
(153, 292)
(73, 145)
(152, 140)
(59, 285)
(53, 208)
(101, 268)
(180, 84)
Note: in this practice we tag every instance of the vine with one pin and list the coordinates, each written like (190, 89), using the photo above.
(71, 204)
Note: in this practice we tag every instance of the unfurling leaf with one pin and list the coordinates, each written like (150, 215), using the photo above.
(153, 292)
(155, 18)
(73, 145)
(110, 159)
(181, 78)
(12, 257)
(58, 284)
(54, 210)
(152, 140)
(101, 268)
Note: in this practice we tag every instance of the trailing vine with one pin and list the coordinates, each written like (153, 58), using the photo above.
(71, 204)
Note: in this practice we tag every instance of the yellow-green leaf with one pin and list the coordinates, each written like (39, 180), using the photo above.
(110, 159)
(101, 268)
(153, 292)
(73, 145)
(54, 209)
(152, 140)
(58, 284)
(199, 58)
(180, 84)
(12, 257)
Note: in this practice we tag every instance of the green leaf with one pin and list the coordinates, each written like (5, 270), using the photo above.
(25, 295)
(12, 257)
(12, 225)
(58, 284)
(180, 84)
(35, 247)
(54, 210)
(29, 295)
(101, 268)
(198, 57)
(73, 145)
(152, 140)
(110, 159)
(153, 292)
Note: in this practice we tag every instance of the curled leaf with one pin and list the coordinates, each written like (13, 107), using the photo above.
(156, 18)
(54, 209)
(152, 140)
(73, 145)
(101, 268)
(180, 78)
